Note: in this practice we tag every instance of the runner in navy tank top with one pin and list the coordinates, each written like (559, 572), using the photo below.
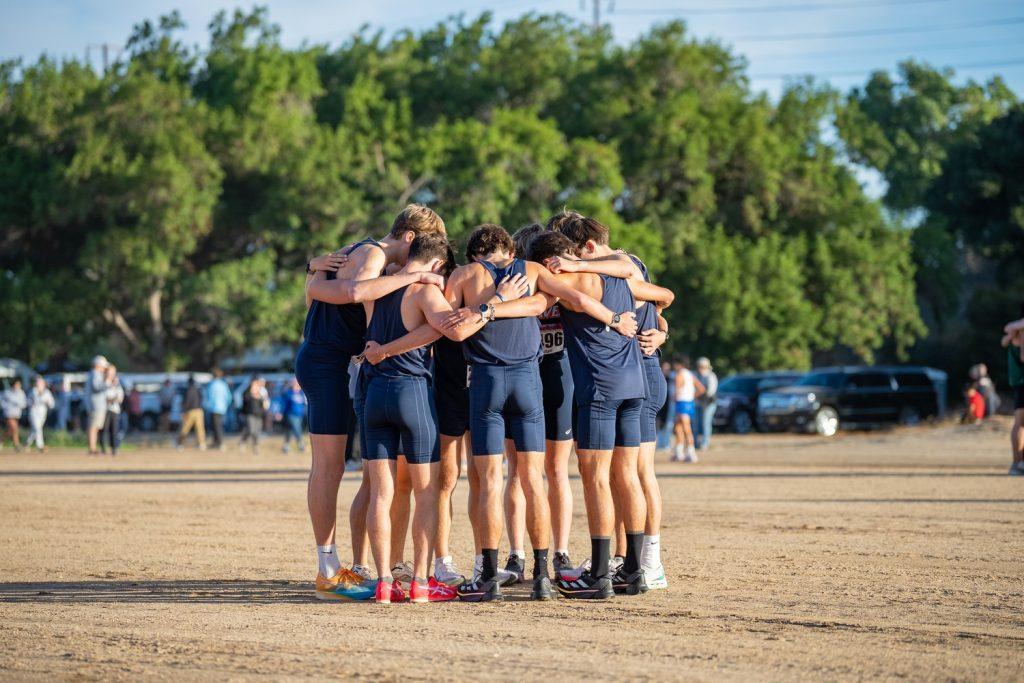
(609, 392)
(591, 244)
(335, 331)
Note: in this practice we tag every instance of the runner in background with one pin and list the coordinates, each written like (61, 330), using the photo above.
(1014, 343)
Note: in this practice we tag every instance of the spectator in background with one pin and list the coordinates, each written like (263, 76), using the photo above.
(192, 415)
(974, 410)
(1014, 343)
(218, 400)
(707, 403)
(666, 415)
(14, 403)
(42, 403)
(134, 409)
(166, 405)
(96, 397)
(293, 407)
(63, 404)
(115, 397)
(986, 387)
(254, 407)
(686, 391)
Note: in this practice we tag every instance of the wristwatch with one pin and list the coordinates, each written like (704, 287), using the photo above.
(616, 319)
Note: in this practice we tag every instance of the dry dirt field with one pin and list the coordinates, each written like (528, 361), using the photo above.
(873, 555)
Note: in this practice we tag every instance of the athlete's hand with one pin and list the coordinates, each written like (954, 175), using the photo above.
(513, 287)
(328, 262)
(428, 278)
(558, 264)
(651, 340)
(374, 353)
(460, 317)
(626, 325)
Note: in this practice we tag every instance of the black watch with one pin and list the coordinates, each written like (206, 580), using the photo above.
(482, 309)
(616, 319)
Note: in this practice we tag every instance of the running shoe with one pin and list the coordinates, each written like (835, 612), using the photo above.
(402, 572)
(586, 587)
(541, 588)
(655, 577)
(691, 455)
(481, 591)
(615, 564)
(515, 567)
(561, 561)
(504, 578)
(389, 593)
(345, 585)
(445, 572)
(1016, 469)
(434, 591)
(573, 573)
(363, 571)
(629, 584)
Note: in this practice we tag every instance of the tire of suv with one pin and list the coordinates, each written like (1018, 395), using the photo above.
(741, 422)
(826, 421)
(909, 416)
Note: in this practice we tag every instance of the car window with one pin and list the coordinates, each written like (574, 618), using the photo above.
(738, 385)
(870, 380)
(772, 382)
(913, 379)
(834, 380)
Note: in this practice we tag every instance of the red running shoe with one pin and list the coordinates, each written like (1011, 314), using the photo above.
(387, 594)
(434, 591)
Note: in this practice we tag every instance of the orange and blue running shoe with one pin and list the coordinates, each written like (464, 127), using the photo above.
(346, 585)
(434, 591)
(388, 593)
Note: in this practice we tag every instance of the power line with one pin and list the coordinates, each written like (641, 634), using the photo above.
(1007, 21)
(861, 72)
(933, 47)
(775, 9)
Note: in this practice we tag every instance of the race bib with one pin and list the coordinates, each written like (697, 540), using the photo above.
(552, 338)
(469, 373)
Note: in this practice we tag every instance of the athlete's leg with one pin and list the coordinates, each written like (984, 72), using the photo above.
(630, 502)
(556, 467)
(686, 429)
(489, 508)
(422, 480)
(447, 478)
(378, 518)
(538, 516)
(400, 509)
(514, 502)
(595, 471)
(322, 488)
(357, 521)
(1017, 435)
(473, 502)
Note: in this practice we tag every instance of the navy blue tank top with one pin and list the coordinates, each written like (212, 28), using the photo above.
(647, 314)
(342, 326)
(505, 341)
(606, 366)
(386, 326)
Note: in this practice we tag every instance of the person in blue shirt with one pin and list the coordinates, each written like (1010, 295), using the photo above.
(218, 400)
(293, 408)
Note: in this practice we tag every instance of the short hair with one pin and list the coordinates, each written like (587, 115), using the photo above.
(429, 246)
(563, 216)
(418, 218)
(521, 238)
(487, 239)
(582, 228)
(548, 244)
(450, 262)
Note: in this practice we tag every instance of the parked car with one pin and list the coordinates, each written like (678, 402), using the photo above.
(828, 398)
(737, 397)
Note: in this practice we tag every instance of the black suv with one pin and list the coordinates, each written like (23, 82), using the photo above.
(828, 397)
(737, 397)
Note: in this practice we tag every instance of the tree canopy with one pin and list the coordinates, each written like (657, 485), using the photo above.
(164, 209)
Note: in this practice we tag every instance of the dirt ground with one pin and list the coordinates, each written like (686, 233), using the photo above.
(873, 555)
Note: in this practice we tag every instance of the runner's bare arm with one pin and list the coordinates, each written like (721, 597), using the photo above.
(615, 265)
(652, 339)
(645, 291)
(436, 309)
(321, 265)
(421, 336)
(578, 301)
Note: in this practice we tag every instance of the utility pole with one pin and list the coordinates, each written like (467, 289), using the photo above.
(105, 50)
(595, 8)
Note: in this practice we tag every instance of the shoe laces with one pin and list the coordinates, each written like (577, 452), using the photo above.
(346, 575)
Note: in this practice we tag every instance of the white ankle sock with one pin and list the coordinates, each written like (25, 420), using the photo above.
(327, 558)
(651, 554)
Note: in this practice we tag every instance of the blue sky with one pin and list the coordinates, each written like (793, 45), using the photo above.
(985, 37)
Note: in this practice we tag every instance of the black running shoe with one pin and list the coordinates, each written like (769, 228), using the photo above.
(541, 588)
(629, 584)
(586, 587)
(480, 591)
(561, 562)
(516, 568)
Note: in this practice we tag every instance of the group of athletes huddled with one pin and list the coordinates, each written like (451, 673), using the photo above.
(540, 340)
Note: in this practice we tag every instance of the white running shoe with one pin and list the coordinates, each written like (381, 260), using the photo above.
(402, 572)
(363, 571)
(691, 454)
(502, 577)
(575, 573)
(445, 572)
(615, 564)
(655, 577)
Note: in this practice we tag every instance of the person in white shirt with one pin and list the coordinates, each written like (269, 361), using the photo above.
(706, 404)
(42, 403)
(111, 425)
(96, 398)
(14, 403)
(686, 391)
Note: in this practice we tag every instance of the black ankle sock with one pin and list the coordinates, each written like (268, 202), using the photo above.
(634, 548)
(600, 546)
(490, 568)
(540, 562)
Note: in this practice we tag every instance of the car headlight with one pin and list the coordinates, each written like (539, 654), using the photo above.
(805, 400)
